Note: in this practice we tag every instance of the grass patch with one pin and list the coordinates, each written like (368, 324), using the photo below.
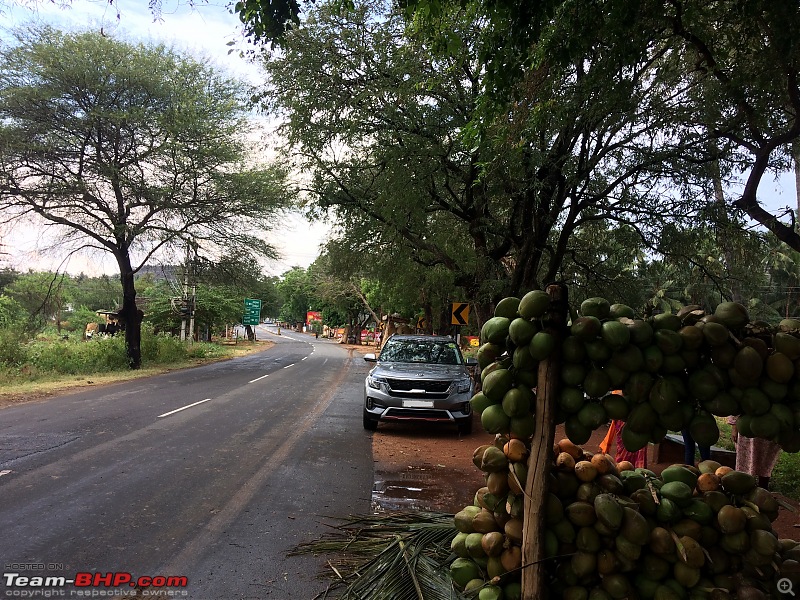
(41, 367)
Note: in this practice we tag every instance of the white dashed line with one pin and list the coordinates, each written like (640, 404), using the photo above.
(172, 412)
(6, 472)
(258, 378)
(291, 365)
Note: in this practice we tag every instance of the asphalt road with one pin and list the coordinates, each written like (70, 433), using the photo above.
(213, 474)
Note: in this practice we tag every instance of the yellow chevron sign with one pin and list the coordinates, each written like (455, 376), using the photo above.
(460, 313)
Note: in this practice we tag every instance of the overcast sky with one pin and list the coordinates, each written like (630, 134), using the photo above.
(206, 31)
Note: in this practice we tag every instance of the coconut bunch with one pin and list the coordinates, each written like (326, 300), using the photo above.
(512, 344)
(612, 531)
(675, 371)
(489, 539)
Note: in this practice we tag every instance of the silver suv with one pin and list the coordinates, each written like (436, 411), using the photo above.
(419, 377)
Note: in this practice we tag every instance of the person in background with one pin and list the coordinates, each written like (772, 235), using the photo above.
(756, 456)
(689, 448)
(638, 458)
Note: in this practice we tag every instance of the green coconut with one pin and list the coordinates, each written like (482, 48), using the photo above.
(596, 307)
(507, 307)
(533, 305)
(732, 314)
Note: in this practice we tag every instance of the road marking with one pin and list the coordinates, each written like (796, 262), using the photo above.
(305, 357)
(291, 365)
(195, 546)
(258, 378)
(6, 472)
(172, 412)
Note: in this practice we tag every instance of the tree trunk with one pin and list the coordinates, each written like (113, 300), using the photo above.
(796, 158)
(363, 299)
(428, 310)
(129, 314)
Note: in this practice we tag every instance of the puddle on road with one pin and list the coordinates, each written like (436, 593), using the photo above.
(423, 488)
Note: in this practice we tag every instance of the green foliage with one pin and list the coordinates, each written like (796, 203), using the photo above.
(96, 293)
(79, 318)
(785, 477)
(130, 148)
(25, 359)
(7, 276)
(13, 350)
(42, 294)
(100, 354)
(267, 20)
(566, 140)
(12, 313)
(295, 289)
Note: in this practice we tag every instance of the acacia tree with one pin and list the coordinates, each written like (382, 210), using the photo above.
(380, 147)
(602, 101)
(392, 140)
(128, 149)
(734, 65)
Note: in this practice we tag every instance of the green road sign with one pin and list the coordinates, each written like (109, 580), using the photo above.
(252, 312)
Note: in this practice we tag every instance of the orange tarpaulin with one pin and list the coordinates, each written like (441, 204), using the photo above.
(638, 458)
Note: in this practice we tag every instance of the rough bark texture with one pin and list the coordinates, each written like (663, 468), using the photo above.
(533, 571)
(131, 316)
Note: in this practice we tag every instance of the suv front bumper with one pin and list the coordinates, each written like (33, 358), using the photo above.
(379, 405)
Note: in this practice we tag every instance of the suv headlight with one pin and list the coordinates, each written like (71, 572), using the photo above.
(463, 385)
(375, 382)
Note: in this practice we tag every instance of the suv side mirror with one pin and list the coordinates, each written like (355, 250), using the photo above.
(372, 358)
(471, 362)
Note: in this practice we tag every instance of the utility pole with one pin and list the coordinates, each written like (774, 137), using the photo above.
(192, 305)
(186, 307)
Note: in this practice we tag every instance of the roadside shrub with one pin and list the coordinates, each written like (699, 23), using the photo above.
(161, 348)
(79, 318)
(12, 314)
(13, 348)
(99, 355)
(49, 355)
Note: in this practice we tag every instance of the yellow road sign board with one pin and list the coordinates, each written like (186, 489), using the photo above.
(460, 313)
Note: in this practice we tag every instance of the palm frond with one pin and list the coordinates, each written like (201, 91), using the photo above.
(389, 556)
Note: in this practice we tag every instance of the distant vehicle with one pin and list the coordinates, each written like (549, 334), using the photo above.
(419, 377)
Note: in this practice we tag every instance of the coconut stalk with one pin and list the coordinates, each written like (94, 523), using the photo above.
(533, 547)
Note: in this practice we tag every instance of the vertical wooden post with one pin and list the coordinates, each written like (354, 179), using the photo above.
(533, 572)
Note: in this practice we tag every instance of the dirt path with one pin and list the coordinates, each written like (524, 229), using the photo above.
(430, 467)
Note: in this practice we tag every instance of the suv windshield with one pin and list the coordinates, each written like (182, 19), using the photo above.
(407, 351)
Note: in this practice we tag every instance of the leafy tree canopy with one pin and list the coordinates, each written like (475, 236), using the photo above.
(129, 149)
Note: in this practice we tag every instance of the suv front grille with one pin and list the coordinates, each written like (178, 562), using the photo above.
(406, 385)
